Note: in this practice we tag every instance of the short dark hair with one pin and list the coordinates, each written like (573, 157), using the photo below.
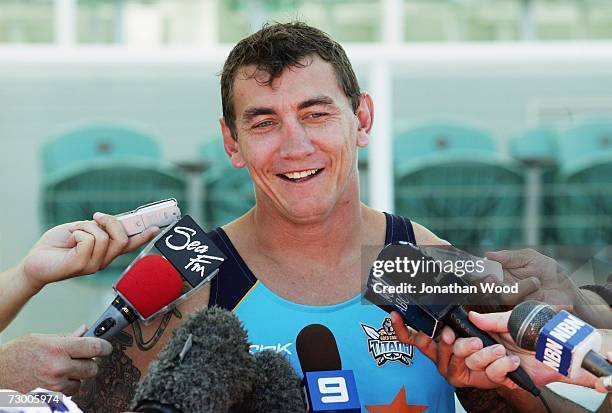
(278, 46)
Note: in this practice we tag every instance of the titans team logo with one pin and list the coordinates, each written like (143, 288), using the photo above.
(384, 345)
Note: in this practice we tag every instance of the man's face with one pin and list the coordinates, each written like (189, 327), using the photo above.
(298, 138)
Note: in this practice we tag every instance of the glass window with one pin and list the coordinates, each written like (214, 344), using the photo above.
(558, 20)
(502, 20)
(24, 21)
(98, 21)
(488, 21)
(571, 19)
(344, 20)
(599, 20)
(147, 23)
(236, 16)
(154, 23)
(430, 21)
(461, 20)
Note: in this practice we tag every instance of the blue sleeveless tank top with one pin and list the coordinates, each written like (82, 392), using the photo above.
(390, 376)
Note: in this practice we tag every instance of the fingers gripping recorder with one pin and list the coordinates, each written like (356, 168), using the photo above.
(159, 214)
(153, 284)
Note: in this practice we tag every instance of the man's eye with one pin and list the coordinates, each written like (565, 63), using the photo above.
(317, 114)
(263, 124)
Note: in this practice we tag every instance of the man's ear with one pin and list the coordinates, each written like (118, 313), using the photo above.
(231, 145)
(365, 119)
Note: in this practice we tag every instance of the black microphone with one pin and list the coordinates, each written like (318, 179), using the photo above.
(317, 349)
(277, 388)
(407, 294)
(205, 367)
(561, 340)
(327, 387)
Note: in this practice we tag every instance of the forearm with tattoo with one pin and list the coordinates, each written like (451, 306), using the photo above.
(113, 388)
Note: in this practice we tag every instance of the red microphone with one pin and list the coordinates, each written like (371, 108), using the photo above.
(149, 285)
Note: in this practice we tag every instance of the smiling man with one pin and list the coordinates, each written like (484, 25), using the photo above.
(294, 116)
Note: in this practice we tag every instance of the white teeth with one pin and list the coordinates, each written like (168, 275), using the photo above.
(302, 174)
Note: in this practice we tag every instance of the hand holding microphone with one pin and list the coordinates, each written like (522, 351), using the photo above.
(565, 348)
(153, 284)
(457, 360)
(60, 362)
(402, 288)
(55, 362)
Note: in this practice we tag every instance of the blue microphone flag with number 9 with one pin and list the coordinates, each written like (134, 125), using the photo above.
(332, 391)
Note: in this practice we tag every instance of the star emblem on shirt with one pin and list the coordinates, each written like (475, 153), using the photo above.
(398, 405)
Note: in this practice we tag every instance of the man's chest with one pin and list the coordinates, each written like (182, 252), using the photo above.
(309, 283)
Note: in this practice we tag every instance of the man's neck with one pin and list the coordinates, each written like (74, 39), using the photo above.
(337, 232)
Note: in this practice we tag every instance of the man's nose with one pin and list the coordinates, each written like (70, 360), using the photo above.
(296, 143)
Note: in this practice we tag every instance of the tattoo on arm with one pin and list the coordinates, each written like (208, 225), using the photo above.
(482, 401)
(113, 388)
(146, 345)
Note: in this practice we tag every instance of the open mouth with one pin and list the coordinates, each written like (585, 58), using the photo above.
(300, 176)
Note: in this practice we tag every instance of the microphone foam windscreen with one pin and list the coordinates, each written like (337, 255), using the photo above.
(150, 284)
(277, 388)
(526, 321)
(317, 349)
(216, 371)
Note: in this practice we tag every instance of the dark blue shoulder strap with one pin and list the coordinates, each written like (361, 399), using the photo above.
(234, 279)
(399, 229)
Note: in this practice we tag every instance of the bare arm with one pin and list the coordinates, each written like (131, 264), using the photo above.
(14, 294)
